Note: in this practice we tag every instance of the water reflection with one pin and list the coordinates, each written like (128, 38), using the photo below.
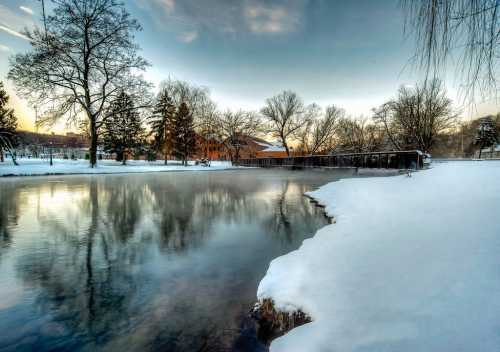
(166, 262)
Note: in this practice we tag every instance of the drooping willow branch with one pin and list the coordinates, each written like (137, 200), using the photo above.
(466, 31)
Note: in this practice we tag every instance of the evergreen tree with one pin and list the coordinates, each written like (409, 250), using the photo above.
(162, 124)
(184, 136)
(123, 131)
(486, 134)
(8, 125)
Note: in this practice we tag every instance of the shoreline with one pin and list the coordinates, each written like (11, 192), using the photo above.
(115, 173)
(386, 275)
(62, 167)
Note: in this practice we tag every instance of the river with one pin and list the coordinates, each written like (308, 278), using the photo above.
(158, 261)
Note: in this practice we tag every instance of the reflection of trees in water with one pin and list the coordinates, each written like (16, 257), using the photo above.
(9, 213)
(292, 215)
(81, 286)
(90, 271)
(186, 208)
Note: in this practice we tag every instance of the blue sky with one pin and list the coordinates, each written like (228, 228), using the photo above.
(351, 53)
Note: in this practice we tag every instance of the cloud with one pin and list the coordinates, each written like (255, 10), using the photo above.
(13, 32)
(262, 18)
(159, 7)
(12, 22)
(26, 9)
(227, 16)
(188, 37)
(4, 48)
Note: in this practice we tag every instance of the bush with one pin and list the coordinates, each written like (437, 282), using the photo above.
(87, 156)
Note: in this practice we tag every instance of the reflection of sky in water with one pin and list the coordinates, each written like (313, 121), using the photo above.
(130, 262)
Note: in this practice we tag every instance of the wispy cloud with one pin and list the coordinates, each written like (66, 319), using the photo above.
(27, 10)
(13, 32)
(263, 18)
(188, 37)
(12, 22)
(159, 7)
(226, 16)
(4, 48)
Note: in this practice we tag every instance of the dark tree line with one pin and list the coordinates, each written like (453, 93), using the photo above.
(172, 126)
(8, 125)
(123, 131)
(486, 134)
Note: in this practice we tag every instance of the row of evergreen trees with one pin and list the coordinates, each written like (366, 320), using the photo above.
(171, 129)
(8, 126)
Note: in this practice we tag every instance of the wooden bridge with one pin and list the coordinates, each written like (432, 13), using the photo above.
(409, 159)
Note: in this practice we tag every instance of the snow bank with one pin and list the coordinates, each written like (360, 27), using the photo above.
(411, 264)
(31, 167)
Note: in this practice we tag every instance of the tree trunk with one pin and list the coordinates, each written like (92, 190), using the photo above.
(237, 156)
(480, 151)
(286, 148)
(93, 142)
(14, 159)
(124, 159)
(1, 155)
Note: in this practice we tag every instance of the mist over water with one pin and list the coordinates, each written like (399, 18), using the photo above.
(163, 262)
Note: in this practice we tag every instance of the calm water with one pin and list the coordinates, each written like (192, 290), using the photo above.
(162, 262)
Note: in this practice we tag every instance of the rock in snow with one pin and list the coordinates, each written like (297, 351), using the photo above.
(411, 264)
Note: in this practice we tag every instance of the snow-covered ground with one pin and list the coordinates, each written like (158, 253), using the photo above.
(411, 264)
(33, 167)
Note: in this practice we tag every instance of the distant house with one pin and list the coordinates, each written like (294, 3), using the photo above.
(250, 147)
(210, 147)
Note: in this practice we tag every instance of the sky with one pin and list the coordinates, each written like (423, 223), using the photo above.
(351, 53)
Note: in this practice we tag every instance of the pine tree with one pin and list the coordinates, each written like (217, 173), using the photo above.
(486, 135)
(184, 135)
(8, 126)
(162, 124)
(123, 131)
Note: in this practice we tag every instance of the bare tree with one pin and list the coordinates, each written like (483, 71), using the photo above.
(318, 135)
(384, 115)
(207, 125)
(196, 98)
(286, 115)
(358, 136)
(417, 115)
(234, 127)
(469, 29)
(81, 63)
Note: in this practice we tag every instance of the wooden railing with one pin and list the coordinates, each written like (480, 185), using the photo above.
(409, 159)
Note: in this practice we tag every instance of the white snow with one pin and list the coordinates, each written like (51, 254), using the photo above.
(411, 264)
(271, 146)
(32, 167)
(274, 148)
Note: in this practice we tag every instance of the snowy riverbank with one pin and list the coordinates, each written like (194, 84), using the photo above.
(34, 167)
(411, 264)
